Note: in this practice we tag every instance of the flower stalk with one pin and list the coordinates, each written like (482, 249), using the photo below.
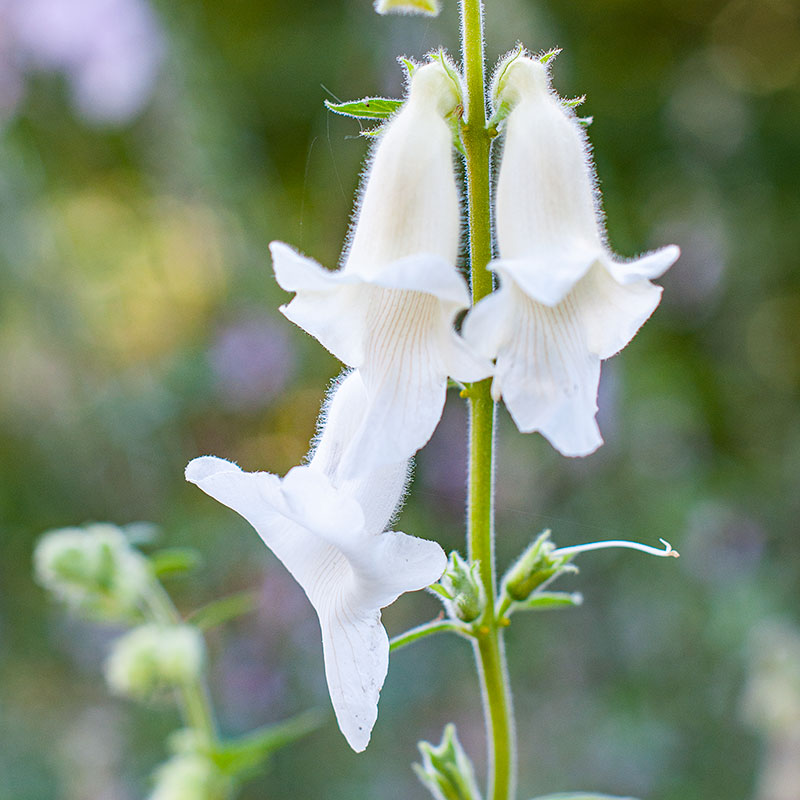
(489, 648)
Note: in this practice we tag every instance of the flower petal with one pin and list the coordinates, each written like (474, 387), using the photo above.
(325, 303)
(356, 652)
(422, 272)
(546, 374)
(398, 563)
(650, 265)
(612, 313)
(549, 274)
(378, 491)
(259, 498)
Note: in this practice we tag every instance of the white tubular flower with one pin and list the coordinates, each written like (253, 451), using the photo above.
(389, 310)
(565, 302)
(328, 532)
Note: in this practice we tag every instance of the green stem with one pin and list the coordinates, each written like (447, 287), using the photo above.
(429, 628)
(194, 697)
(489, 649)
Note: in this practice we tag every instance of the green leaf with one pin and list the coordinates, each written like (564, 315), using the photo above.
(581, 796)
(368, 108)
(249, 753)
(174, 561)
(223, 610)
(542, 601)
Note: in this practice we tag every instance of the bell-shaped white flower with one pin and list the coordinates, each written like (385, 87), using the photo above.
(565, 301)
(328, 530)
(389, 310)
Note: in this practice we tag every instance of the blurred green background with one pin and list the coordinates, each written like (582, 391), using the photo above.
(149, 153)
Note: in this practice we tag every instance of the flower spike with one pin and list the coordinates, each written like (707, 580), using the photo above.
(389, 310)
(328, 530)
(565, 301)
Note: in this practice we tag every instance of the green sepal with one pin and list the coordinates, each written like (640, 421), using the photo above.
(502, 67)
(248, 754)
(223, 610)
(547, 57)
(497, 119)
(174, 561)
(367, 108)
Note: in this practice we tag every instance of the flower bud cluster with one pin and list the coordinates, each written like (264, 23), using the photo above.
(93, 570)
(153, 658)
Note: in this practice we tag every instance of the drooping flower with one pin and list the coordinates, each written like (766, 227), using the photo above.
(328, 530)
(389, 310)
(565, 302)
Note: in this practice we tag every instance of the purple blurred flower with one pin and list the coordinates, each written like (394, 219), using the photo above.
(251, 361)
(109, 51)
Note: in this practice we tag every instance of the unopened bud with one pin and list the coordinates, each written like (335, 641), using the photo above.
(152, 658)
(533, 568)
(94, 570)
(461, 589)
(428, 7)
(446, 770)
(190, 776)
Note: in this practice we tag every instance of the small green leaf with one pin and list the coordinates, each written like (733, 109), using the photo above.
(249, 753)
(174, 561)
(223, 610)
(542, 601)
(368, 108)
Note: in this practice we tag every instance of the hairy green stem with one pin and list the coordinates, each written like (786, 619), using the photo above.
(428, 629)
(489, 649)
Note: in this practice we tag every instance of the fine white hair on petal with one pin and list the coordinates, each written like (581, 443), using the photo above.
(565, 301)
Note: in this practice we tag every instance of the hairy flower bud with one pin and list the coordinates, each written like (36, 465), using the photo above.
(533, 568)
(94, 570)
(461, 589)
(446, 770)
(152, 658)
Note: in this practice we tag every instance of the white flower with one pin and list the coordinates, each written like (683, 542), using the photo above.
(565, 301)
(328, 532)
(389, 310)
